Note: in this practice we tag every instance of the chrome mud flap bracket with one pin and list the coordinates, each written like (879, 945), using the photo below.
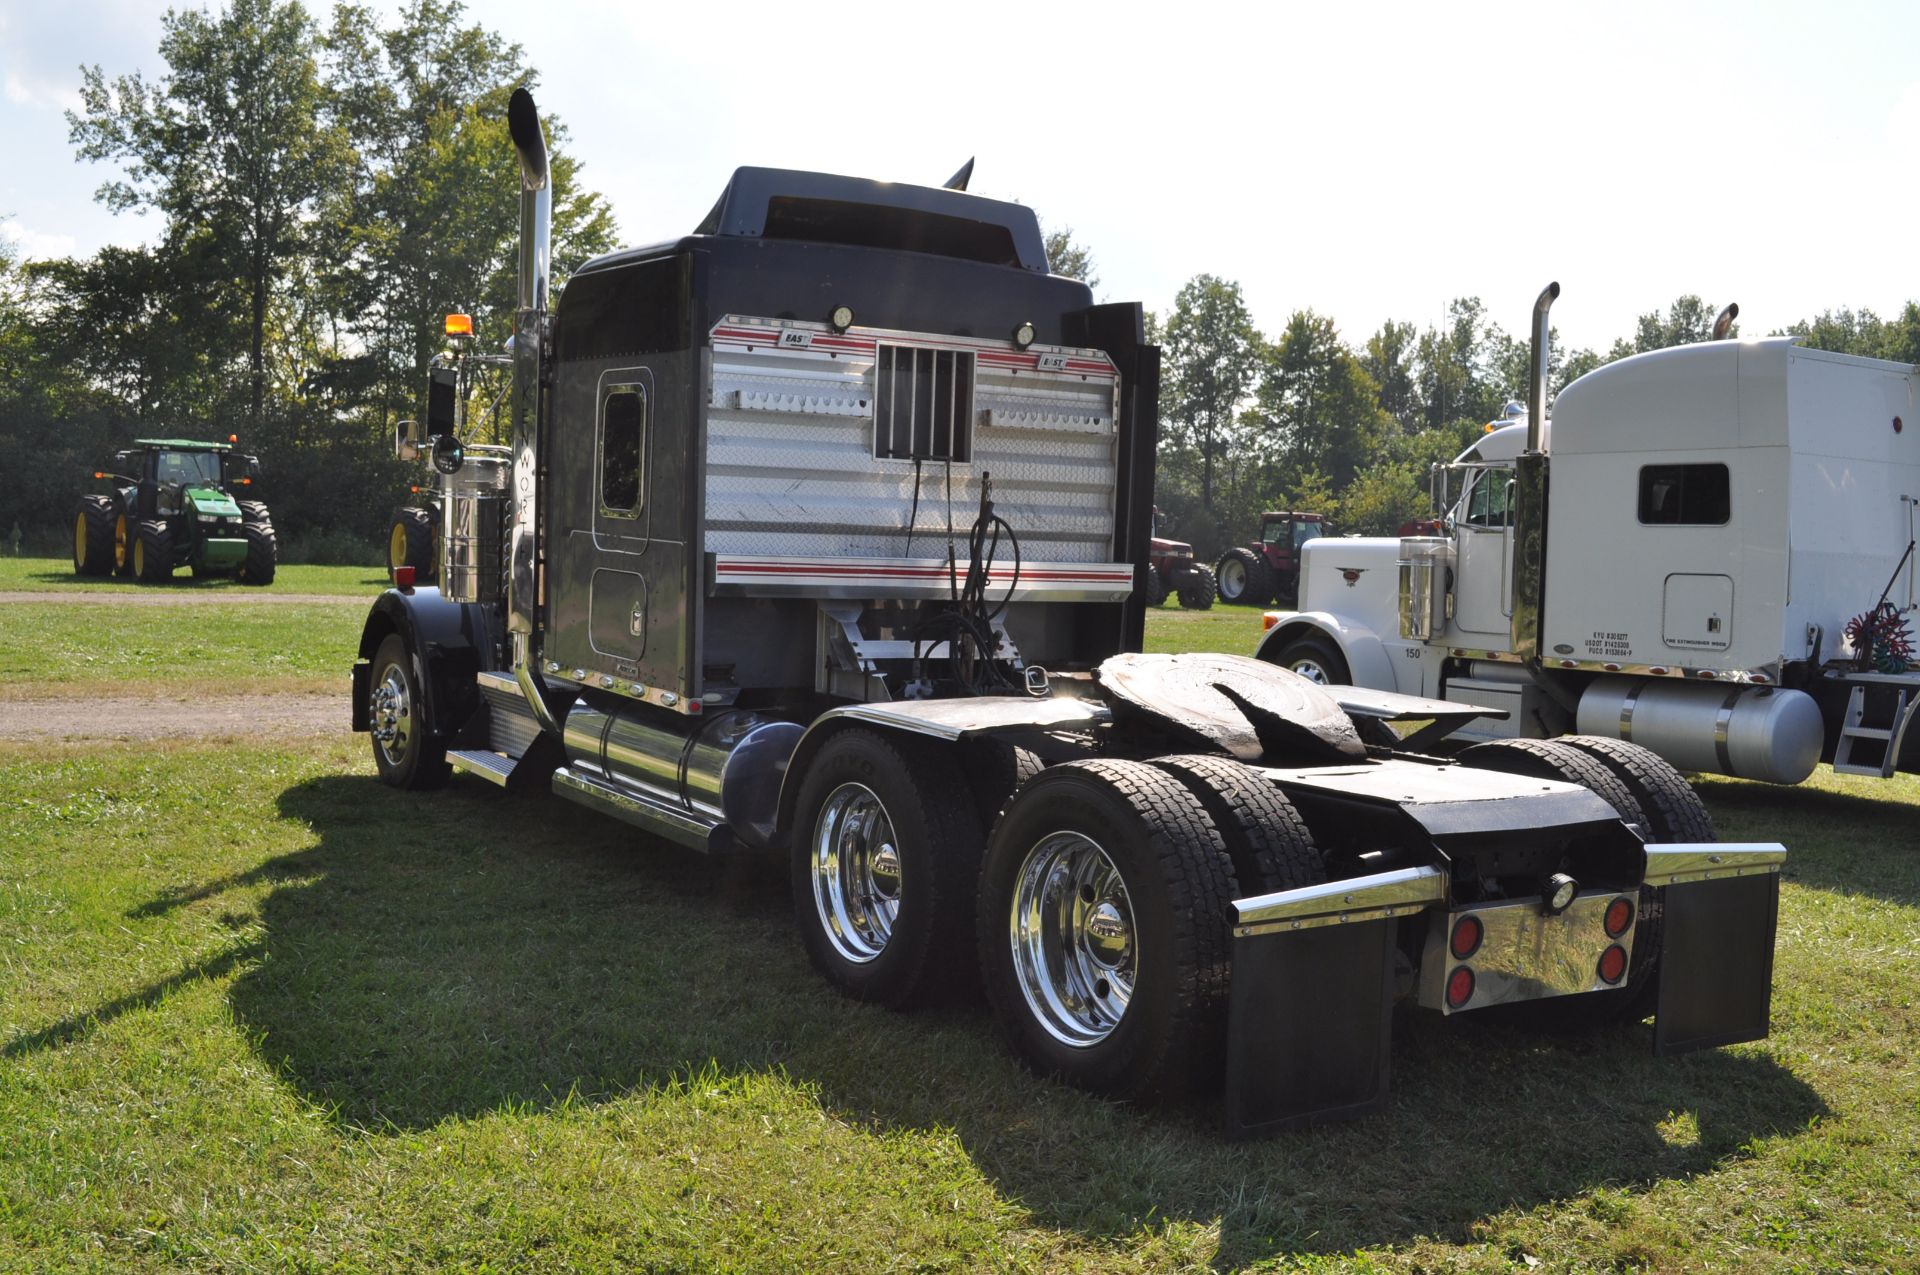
(1309, 1021)
(1720, 906)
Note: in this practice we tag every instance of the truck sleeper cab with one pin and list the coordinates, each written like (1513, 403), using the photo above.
(1723, 518)
(823, 533)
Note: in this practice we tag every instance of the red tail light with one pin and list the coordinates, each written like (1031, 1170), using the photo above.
(1466, 937)
(1619, 917)
(1613, 964)
(403, 577)
(1459, 987)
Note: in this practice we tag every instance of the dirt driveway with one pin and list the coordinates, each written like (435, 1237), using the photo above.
(156, 717)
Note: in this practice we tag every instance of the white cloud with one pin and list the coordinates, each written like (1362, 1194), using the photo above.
(38, 244)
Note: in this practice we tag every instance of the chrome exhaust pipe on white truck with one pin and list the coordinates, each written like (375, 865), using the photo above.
(1537, 367)
(1723, 323)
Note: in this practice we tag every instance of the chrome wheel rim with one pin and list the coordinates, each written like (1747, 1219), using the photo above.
(856, 873)
(1311, 669)
(390, 712)
(1075, 952)
(1233, 578)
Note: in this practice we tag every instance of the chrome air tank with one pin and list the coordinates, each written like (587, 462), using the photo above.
(1752, 732)
(473, 509)
(724, 769)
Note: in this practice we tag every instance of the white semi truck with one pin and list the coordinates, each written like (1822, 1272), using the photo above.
(1682, 558)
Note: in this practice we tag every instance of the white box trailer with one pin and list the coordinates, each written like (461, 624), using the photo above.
(1675, 562)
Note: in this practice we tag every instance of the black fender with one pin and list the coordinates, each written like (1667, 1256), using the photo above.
(949, 721)
(455, 641)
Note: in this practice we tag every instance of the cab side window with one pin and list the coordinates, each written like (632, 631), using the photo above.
(623, 432)
(1487, 501)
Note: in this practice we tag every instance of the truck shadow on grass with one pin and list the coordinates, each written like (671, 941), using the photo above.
(1849, 842)
(454, 954)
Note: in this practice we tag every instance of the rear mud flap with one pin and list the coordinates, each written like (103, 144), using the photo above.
(1310, 1016)
(1716, 961)
(1309, 1027)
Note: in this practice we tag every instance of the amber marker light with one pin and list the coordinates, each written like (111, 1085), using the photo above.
(459, 325)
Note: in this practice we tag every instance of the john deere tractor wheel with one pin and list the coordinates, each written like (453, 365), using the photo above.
(410, 542)
(153, 552)
(93, 536)
(123, 536)
(262, 549)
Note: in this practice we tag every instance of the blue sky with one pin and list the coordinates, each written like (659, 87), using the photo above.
(1366, 160)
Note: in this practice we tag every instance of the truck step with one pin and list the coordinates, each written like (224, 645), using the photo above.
(655, 815)
(495, 768)
(511, 726)
(1893, 705)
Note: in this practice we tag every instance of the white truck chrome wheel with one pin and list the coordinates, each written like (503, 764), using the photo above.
(856, 872)
(390, 712)
(1074, 945)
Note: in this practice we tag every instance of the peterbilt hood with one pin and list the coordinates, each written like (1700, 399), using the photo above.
(1353, 576)
(212, 502)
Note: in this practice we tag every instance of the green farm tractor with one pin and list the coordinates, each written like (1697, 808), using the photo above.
(173, 505)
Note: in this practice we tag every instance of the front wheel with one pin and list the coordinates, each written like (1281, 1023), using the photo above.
(153, 552)
(1104, 929)
(263, 548)
(886, 855)
(1316, 659)
(404, 752)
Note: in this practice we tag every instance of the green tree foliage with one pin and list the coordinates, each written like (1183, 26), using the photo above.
(1316, 407)
(1864, 333)
(1212, 357)
(231, 147)
(1066, 256)
(327, 192)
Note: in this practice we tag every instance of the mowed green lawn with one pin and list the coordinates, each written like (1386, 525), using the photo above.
(258, 1012)
(55, 575)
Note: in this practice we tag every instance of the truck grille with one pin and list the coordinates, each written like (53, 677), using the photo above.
(923, 403)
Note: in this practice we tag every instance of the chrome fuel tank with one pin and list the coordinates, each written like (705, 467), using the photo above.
(1767, 733)
(721, 769)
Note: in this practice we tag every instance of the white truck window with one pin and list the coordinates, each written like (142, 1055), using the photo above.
(1486, 502)
(1684, 495)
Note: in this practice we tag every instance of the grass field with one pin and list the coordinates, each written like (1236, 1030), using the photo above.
(258, 1012)
(55, 575)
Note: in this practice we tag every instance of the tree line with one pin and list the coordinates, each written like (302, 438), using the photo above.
(327, 190)
(329, 186)
(1305, 421)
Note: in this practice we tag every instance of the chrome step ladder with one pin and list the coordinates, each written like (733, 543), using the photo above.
(1890, 703)
(511, 731)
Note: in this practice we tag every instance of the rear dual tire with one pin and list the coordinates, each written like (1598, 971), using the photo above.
(1104, 930)
(1652, 798)
(885, 860)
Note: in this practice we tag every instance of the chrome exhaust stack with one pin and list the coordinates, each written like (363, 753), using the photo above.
(1528, 550)
(1724, 323)
(529, 373)
(1537, 367)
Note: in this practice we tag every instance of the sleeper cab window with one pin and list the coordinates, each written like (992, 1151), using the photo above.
(623, 432)
(1685, 495)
